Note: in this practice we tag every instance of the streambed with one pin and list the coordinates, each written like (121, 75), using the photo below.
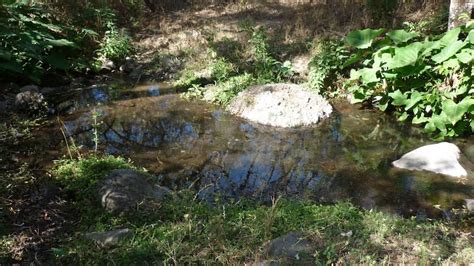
(198, 145)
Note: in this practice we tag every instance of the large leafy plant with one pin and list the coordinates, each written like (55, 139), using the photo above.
(32, 42)
(426, 81)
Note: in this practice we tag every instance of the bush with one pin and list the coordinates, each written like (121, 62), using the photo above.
(427, 81)
(80, 175)
(116, 44)
(33, 42)
(327, 64)
(266, 67)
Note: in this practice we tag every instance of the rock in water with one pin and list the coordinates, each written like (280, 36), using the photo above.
(30, 102)
(124, 190)
(441, 158)
(281, 105)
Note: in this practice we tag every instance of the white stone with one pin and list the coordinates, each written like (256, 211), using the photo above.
(280, 105)
(441, 158)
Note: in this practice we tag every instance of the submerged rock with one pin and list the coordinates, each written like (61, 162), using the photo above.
(293, 246)
(124, 190)
(30, 102)
(441, 158)
(281, 105)
(109, 238)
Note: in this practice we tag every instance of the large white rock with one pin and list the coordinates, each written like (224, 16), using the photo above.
(441, 158)
(281, 105)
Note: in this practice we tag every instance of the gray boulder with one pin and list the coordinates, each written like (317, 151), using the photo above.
(109, 238)
(280, 105)
(293, 246)
(441, 158)
(30, 102)
(124, 191)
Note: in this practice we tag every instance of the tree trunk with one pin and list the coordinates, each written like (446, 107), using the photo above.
(460, 11)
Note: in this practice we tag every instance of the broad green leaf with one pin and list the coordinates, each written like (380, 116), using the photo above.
(454, 112)
(419, 119)
(451, 64)
(368, 75)
(403, 117)
(405, 56)
(429, 46)
(382, 59)
(465, 56)
(470, 25)
(450, 37)
(363, 39)
(470, 37)
(60, 42)
(401, 36)
(399, 99)
(437, 122)
(448, 51)
(354, 75)
(415, 97)
(354, 58)
(472, 125)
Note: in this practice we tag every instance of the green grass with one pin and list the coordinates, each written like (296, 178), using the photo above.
(184, 230)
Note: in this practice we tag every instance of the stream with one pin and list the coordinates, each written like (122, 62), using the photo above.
(198, 145)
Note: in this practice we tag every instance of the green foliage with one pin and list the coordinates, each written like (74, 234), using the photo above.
(33, 42)
(325, 66)
(221, 70)
(116, 44)
(231, 76)
(266, 67)
(39, 38)
(80, 175)
(222, 93)
(428, 81)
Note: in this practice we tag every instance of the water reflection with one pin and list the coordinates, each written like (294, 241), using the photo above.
(194, 144)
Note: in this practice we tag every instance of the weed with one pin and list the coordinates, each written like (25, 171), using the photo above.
(80, 175)
(266, 67)
(116, 44)
(326, 66)
(222, 93)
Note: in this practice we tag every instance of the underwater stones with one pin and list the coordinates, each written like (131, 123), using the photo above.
(441, 158)
(109, 238)
(124, 190)
(280, 105)
(31, 102)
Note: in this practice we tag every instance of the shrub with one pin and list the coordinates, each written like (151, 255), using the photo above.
(33, 42)
(326, 65)
(428, 81)
(80, 175)
(116, 44)
(266, 67)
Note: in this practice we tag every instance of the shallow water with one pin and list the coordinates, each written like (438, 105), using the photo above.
(194, 144)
